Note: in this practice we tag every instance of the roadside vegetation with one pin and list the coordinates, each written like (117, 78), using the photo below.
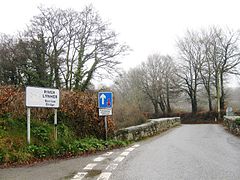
(14, 149)
(80, 129)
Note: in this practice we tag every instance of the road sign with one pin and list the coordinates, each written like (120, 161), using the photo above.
(42, 97)
(105, 100)
(105, 112)
(229, 111)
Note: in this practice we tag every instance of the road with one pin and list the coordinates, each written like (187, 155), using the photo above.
(186, 152)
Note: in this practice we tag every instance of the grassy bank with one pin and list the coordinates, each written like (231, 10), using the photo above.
(14, 149)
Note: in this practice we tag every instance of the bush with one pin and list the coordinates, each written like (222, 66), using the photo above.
(42, 133)
(82, 114)
(77, 109)
(1, 157)
(64, 132)
(237, 121)
(39, 151)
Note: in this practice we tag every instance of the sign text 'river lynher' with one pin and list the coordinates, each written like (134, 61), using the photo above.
(42, 97)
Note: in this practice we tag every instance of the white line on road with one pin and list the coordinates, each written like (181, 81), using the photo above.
(90, 166)
(104, 176)
(79, 176)
(98, 159)
(125, 153)
(130, 149)
(108, 154)
(111, 167)
(118, 159)
(136, 145)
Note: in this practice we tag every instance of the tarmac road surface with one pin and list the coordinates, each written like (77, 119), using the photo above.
(188, 152)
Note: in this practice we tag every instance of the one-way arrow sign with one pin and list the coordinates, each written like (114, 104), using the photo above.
(102, 97)
(105, 100)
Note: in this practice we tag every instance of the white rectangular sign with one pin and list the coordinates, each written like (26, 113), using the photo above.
(105, 112)
(42, 97)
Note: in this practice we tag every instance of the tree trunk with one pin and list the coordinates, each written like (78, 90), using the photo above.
(222, 98)
(194, 104)
(156, 109)
(169, 109)
(210, 103)
(209, 99)
(78, 74)
(162, 106)
(57, 78)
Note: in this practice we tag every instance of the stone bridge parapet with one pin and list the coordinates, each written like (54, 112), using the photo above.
(230, 123)
(151, 128)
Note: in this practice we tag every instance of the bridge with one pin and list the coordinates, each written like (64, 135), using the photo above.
(205, 151)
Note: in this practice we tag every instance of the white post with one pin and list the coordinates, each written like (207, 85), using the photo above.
(28, 125)
(106, 126)
(55, 124)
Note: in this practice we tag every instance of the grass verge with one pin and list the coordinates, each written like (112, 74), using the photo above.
(15, 151)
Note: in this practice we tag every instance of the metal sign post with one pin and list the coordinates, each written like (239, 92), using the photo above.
(28, 124)
(105, 103)
(55, 124)
(106, 127)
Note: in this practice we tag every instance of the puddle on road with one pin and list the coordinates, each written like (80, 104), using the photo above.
(93, 173)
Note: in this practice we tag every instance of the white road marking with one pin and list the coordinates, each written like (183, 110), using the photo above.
(90, 166)
(130, 149)
(136, 145)
(118, 159)
(108, 154)
(104, 176)
(125, 153)
(79, 176)
(111, 167)
(98, 159)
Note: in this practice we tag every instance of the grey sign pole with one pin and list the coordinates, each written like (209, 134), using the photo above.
(28, 124)
(55, 124)
(106, 127)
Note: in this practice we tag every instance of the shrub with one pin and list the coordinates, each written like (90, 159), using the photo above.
(237, 121)
(38, 151)
(22, 156)
(64, 132)
(42, 133)
(1, 157)
(82, 112)
(77, 109)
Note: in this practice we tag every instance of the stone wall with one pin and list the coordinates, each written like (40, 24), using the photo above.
(230, 123)
(152, 127)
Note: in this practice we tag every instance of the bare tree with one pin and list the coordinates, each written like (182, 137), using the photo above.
(206, 66)
(49, 24)
(97, 46)
(131, 104)
(158, 81)
(170, 81)
(79, 45)
(190, 52)
(229, 58)
(208, 57)
(222, 58)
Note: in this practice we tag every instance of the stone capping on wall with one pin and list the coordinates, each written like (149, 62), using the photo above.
(229, 122)
(150, 128)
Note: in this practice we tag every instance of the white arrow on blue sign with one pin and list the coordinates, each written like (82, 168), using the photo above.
(105, 99)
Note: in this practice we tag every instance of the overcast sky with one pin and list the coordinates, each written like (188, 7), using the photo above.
(147, 26)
